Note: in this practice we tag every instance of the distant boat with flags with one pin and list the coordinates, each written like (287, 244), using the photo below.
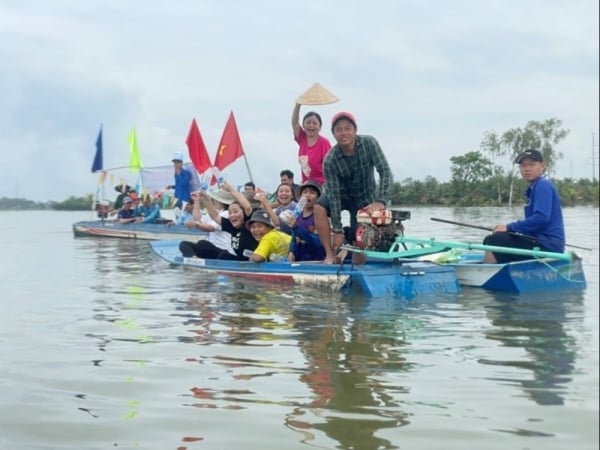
(153, 181)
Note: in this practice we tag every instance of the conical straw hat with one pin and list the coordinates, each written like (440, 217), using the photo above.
(316, 95)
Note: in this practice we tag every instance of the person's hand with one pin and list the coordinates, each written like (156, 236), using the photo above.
(499, 228)
(337, 241)
(291, 257)
(190, 224)
(227, 187)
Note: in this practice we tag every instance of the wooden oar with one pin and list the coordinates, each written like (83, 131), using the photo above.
(479, 227)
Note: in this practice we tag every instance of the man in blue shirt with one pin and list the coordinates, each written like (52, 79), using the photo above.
(182, 181)
(543, 225)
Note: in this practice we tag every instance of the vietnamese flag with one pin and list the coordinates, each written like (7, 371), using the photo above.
(197, 149)
(230, 147)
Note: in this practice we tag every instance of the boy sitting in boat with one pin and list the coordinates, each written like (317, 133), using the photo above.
(305, 244)
(273, 244)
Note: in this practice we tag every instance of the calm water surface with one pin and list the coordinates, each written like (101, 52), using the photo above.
(105, 346)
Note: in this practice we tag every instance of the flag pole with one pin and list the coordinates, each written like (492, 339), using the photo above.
(248, 168)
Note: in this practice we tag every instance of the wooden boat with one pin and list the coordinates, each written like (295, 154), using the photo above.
(544, 271)
(403, 278)
(145, 231)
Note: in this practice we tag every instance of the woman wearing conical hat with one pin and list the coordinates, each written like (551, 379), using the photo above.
(312, 146)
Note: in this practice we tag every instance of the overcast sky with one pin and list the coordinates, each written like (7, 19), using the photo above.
(426, 78)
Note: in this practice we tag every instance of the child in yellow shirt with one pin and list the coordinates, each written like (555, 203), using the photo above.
(273, 244)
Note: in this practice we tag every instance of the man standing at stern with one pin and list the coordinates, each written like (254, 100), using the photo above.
(349, 169)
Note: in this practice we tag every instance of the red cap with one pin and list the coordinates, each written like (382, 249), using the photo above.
(342, 115)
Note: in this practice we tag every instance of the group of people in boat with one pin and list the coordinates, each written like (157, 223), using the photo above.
(304, 222)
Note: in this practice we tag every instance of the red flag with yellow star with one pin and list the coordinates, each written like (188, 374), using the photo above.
(230, 146)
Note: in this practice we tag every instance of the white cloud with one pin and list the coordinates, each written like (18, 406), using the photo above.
(427, 79)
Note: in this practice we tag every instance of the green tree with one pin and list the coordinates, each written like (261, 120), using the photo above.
(468, 175)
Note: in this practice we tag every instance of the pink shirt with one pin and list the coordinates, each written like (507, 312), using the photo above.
(311, 157)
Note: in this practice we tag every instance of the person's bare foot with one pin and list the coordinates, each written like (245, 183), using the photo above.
(329, 260)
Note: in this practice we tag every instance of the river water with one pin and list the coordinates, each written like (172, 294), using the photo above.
(105, 346)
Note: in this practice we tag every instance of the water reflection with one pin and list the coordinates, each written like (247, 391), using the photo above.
(349, 356)
(539, 325)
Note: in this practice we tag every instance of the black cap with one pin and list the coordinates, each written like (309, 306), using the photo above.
(536, 155)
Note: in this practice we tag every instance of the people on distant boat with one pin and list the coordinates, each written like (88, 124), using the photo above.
(349, 170)
(148, 211)
(187, 216)
(273, 244)
(183, 178)
(305, 243)
(543, 226)
(239, 212)
(312, 146)
(124, 190)
(126, 213)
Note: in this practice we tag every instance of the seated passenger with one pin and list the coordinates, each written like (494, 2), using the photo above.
(126, 213)
(238, 213)
(148, 211)
(273, 244)
(305, 244)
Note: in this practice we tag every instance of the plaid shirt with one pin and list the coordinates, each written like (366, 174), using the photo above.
(352, 178)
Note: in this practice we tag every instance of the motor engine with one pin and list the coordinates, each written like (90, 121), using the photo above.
(377, 231)
(102, 209)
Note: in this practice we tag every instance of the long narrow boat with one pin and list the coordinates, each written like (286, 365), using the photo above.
(144, 231)
(544, 271)
(401, 278)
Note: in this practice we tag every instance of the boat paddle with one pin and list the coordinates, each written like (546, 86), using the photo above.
(479, 227)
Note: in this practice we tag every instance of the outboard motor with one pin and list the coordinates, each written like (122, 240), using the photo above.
(378, 231)
(102, 208)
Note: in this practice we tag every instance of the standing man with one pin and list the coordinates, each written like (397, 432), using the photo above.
(543, 225)
(182, 181)
(349, 169)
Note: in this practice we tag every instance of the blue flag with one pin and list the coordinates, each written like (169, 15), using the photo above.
(97, 164)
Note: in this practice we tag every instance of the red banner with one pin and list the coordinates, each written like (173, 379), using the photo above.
(230, 147)
(197, 149)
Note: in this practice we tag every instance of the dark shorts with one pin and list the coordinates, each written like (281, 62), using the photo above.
(502, 239)
(347, 205)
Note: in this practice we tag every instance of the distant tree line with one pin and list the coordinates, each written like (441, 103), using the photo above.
(483, 177)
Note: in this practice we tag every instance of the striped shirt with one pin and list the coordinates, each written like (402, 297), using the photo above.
(352, 178)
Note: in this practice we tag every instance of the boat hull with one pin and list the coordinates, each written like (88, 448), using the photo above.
(520, 276)
(142, 231)
(406, 279)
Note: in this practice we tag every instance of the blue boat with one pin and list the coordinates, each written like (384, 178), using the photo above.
(143, 231)
(401, 278)
(544, 271)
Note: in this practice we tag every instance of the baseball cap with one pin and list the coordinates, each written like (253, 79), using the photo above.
(178, 156)
(536, 155)
(342, 115)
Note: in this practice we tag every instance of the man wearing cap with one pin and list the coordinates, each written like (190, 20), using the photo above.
(350, 182)
(182, 181)
(543, 225)
(126, 213)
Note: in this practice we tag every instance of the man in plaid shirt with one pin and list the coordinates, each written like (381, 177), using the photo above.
(349, 182)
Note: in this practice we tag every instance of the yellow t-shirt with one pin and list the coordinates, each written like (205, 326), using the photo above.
(274, 245)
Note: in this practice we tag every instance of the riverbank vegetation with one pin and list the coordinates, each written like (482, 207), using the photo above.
(483, 177)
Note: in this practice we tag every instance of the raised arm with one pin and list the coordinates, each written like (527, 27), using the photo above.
(239, 197)
(266, 205)
(296, 119)
(210, 208)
